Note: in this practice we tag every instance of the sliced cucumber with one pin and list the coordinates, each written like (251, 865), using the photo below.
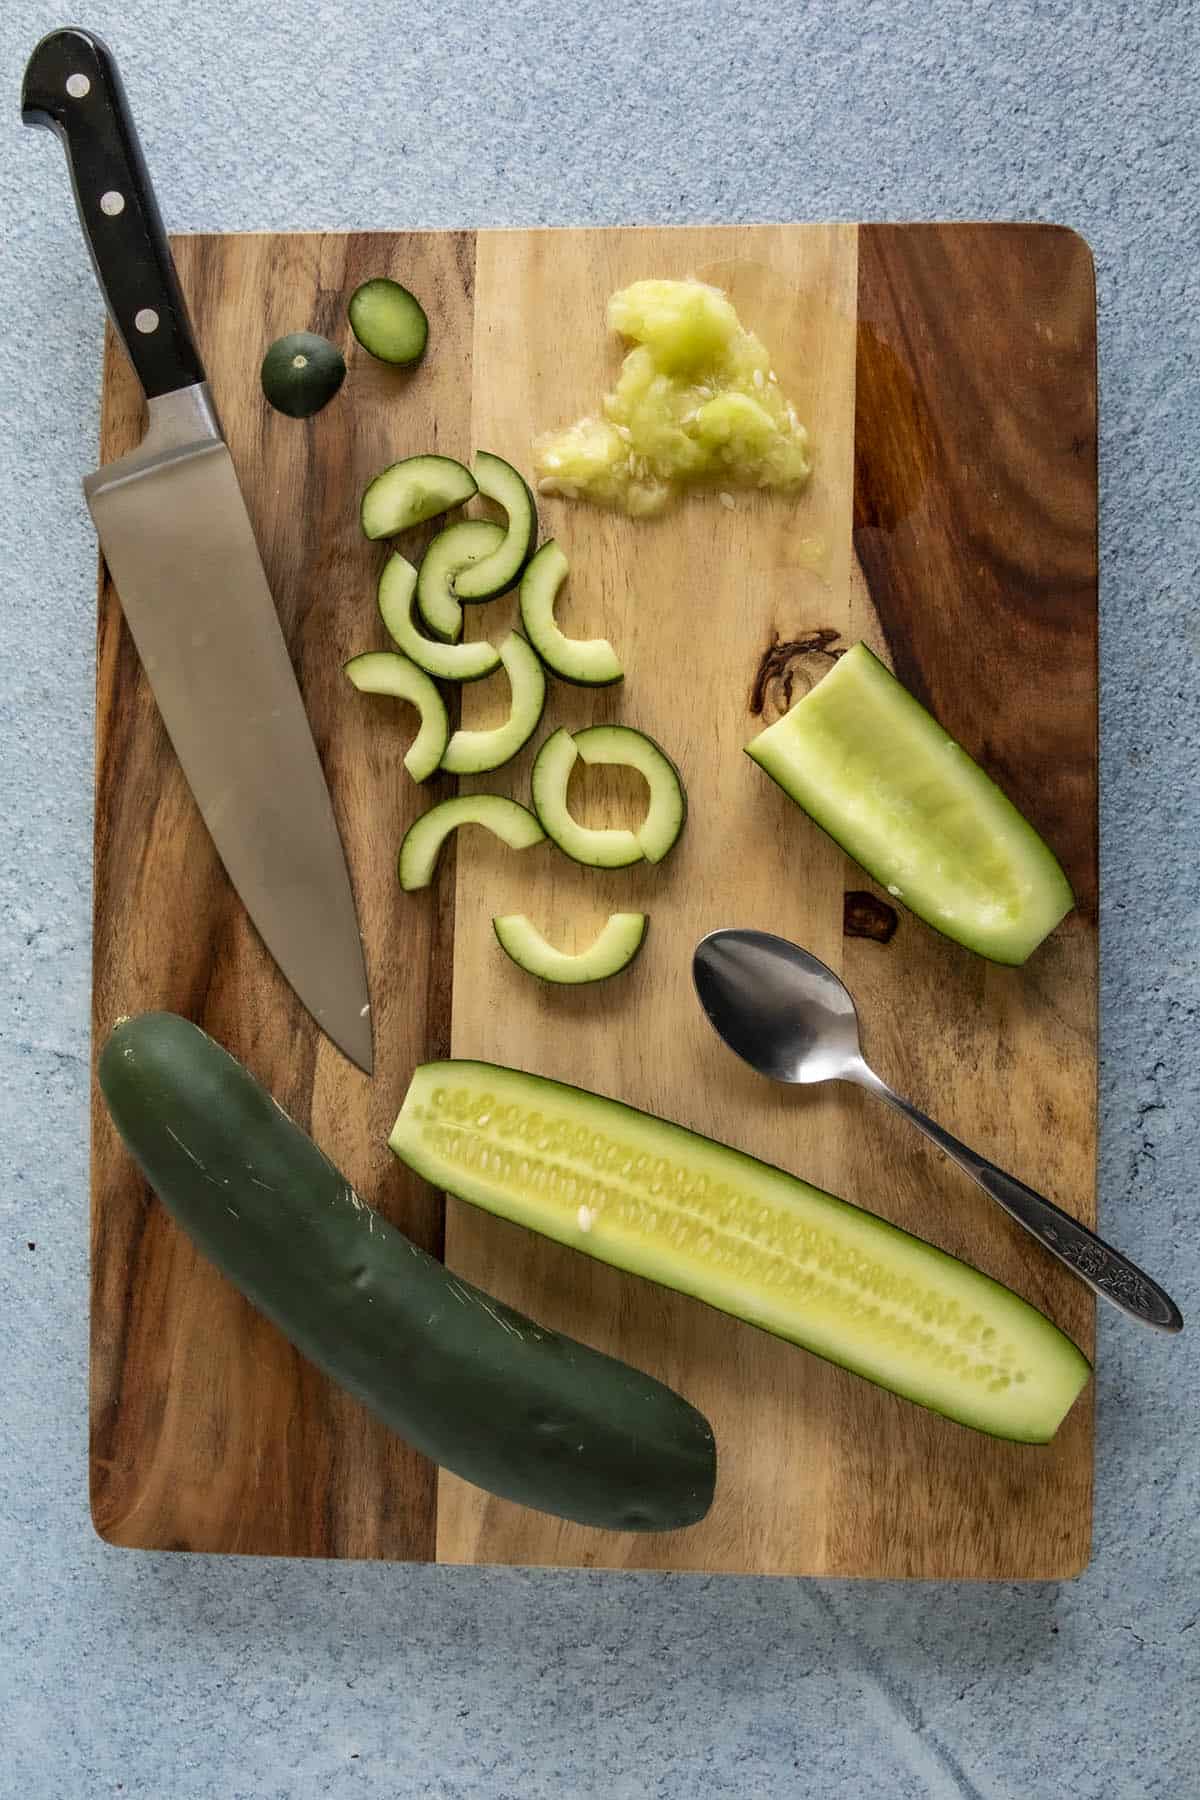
(624, 747)
(750, 1240)
(385, 672)
(888, 784)
(604, 849)
(453, 662)
(497, 480)
(452, 551)
(301, 373)
(389, 321)
(619, 941)
(411, 491)
(475, 752)
(588, 662)
(512, 823)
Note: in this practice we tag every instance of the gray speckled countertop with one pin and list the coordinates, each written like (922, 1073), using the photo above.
(184, 1677)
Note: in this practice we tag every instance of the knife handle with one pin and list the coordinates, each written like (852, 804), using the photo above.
(72, 86)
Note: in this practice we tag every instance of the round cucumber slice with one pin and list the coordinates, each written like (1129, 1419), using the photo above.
(475, 752)
(614, 949)
(411, 491)
(388, 321)
(452, 551)
(452, 662)
(385, 672)
(514, 824)
(301, 373)
(498, 481)
(587, 662)
(622, 745)
(604, 849)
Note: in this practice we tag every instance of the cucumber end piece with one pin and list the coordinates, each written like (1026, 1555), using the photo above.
(389, 322)
(301, 373)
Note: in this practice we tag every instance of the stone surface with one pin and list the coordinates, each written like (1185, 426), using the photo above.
(157, 1675)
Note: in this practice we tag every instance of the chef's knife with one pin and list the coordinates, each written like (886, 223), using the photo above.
(179, 546)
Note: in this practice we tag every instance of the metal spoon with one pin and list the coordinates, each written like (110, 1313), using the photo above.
(790, 1017)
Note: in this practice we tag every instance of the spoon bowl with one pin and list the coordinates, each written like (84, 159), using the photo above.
(780, 1008)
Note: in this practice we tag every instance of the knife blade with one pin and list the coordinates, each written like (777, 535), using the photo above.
(181, 551)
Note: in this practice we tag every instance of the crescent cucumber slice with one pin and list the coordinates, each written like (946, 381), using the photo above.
(385, 672)
(614, 949)
(411, 491)
(514, 824)
(650, 1197)
(587, 662)
(597, 849)
(452, 662)
(498, 481)
(452, 551)
(475, 752)
(623, 746)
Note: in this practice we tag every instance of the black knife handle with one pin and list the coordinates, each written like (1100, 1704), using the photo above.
(72, 86)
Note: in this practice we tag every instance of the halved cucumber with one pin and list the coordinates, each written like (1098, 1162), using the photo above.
(650, 1197)
(451, 552)
(411, 491)
(497, 480)
(588, 662)
(453, 662)
(475, 752)
(888, 784)
(624, 747)
(614, 949)
(598, 849)
(301, 373)
(514, 824)
(389, 321)
(385, 672)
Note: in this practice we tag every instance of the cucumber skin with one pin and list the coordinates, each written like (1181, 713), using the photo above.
(501, 1401)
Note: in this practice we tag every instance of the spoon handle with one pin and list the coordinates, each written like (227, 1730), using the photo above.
(1104, 1269)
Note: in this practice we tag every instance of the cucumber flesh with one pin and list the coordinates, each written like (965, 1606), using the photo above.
(881, 776)
(619, 941)
(451, 551)
(622, 746)
(384, 672)
(301, 373)
(388, 321)
(452, 662)
(512, 823)
(650, 1197)
(501, 1400)
(411, 491)
(499, 482)
(475, 752)
(612, 848)
(587, 662)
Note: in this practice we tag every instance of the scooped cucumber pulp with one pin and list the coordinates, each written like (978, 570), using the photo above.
(650, 1197)
(883, 778)
(613, 949)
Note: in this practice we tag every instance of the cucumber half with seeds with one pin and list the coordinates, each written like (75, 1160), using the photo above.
(453, 662)
(498, 481)
(385, 672)
(475, 752)
(512, 823)
(622, 746)
(616, 946)
(881, 776)
(587, 662)
(388, 321)
(650, 1197)
(411, 491)
(451, 552)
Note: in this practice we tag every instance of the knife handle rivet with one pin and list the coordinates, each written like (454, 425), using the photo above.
(78, 86)
(112, 203)
(146, 319)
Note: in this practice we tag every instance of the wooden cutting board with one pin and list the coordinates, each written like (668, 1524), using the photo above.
(948, 377)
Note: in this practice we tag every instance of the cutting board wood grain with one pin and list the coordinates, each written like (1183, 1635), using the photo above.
(948, 376)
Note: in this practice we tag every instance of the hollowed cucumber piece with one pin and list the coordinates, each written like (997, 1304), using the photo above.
(618, 942)
(498, 481)
(411, 491)
(388, 321)
(588, 662)
(451, 553)
(882, 777)
(452, 662)
(386, 672)
(514, 824)
(475, 752)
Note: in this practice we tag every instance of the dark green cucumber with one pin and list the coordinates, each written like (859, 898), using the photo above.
(301, 373)
(388, 321)
(484, 1391)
